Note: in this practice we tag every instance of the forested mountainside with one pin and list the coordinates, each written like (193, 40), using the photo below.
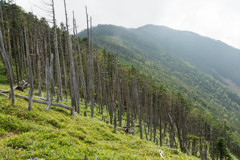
(203, 91)
(208, 55)
(67, 72)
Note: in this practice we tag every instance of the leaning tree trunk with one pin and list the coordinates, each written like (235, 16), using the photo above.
(5, 60)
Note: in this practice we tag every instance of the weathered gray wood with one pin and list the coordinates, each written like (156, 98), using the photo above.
(151, 112)
(115, 114)
(127, 103)
(81, 73)
(90, 51)
(52, 83)
(29, 70)
(100, 101)
(47, 79)
(39, 67)
(5, 59)
(44, 102)
(118, 85)
(64, 69)
(74, 86)
(58, 69)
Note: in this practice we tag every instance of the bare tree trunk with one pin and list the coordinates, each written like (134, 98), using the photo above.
(92, 71)
(128, 104)
(47, 79)
(118, 85)
(74, 86)
(52, 83)
(82, 77)
(29, 71)
(5, 59)
(58, 69)
(115, 113)
(146, 106)
(39, 72)
(10, 54)
(64, 69)
(138, 105)
(16, 60)
(99, 83)
(151, 111)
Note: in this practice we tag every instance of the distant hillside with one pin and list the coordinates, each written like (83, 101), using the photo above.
(137, 47)
(210, 56)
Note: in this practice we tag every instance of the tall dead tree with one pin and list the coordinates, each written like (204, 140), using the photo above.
(136, 96)
(5, 60)
(52, 83)
(151, 111)
(47, 79)
(100, 96)
(81, 73)
(29, 71)
(90, 53)
(74, 86)
(58, 69)
(118, 85)
(64, 68)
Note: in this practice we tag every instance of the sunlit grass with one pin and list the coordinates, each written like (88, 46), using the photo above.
(55, 134)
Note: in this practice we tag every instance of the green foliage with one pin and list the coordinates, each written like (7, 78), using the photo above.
(221, 147)
(3, 77)
(55, 134)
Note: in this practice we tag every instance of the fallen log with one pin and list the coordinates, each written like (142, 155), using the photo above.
(1, 93)
(44, 102)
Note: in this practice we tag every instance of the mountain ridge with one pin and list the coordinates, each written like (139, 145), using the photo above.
(212, 60)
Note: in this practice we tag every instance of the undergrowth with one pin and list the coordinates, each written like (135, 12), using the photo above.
(55, 134)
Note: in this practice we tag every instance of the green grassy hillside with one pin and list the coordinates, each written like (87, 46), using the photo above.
(55, 134)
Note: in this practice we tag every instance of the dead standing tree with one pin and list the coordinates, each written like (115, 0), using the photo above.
(118, 85)
(90, 53)
(30, 74)
(74, 85)
(58, 69)
(81, 74)
(5, 59)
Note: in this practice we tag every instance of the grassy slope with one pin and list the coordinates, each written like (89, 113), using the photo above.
(54, 134)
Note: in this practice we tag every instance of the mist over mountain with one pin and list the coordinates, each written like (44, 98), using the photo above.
(208, 55)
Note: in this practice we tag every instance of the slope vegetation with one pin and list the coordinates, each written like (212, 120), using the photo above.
(55, 134)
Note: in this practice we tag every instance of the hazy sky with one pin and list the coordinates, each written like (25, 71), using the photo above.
(218, 19)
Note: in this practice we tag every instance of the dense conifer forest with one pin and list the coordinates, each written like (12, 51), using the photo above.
(61, 70)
